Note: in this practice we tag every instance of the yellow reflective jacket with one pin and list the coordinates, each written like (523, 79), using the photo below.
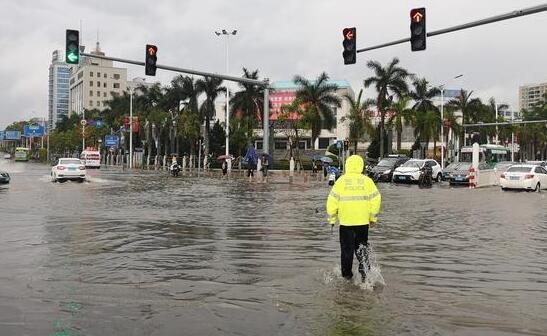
(354, 198)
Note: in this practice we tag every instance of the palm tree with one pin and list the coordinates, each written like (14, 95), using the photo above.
(184, 88)
(389, 80)
(248, 103)
(211, 86)
(319, 100)
(401, 114)
(425, 112)
(359, 118)
(465, 104)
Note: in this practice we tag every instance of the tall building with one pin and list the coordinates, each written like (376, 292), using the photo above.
(94, 82)
(59, 76)
(531, 94)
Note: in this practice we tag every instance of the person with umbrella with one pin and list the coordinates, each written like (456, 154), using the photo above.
(354, 201)
(251, 158)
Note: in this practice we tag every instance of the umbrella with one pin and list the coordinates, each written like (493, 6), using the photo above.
(326, 159)
(316, 157)
(223, 157)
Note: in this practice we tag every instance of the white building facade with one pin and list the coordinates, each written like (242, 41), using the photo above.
(531, 94)
(94, 82)
(58, 93)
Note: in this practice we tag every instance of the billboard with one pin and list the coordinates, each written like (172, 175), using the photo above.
(2, 135)
(13, 135)
(33, 131)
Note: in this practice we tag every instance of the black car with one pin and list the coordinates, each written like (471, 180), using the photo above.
(383, 171)
(4, 177)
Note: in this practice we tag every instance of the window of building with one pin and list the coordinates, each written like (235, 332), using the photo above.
(98, 93)
(104, 76)
(116, 85)
(116, 76)
(104, 94)
(324, 143)
(90, 83)
(280, 145)
(72, 81)
(80, 75)
(99, 74)
(91, 93)
(91, 74)
(104, 84)
(91, 103)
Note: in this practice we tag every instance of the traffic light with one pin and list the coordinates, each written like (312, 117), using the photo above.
(350, 45)
(151, 58)
(72, 47)
(418, 32)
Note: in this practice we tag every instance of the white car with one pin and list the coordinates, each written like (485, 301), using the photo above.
(524, 176)
(410, 170)
(68, 169)
(7, 156)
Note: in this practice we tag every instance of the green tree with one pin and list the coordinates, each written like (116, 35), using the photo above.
(248, 103)
(360, 121)
(319, 100)
(211, 87)
(427, 119)
(400, 115)
(388, 81)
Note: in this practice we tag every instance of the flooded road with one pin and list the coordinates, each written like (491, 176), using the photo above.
(144, 254)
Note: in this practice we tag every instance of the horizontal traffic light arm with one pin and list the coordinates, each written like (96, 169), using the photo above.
(264, 83)
(497, 18)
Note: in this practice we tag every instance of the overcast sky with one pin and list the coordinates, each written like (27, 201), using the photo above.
(281, 38)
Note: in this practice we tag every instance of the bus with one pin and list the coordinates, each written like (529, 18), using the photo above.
(22, 154)
(490, 154)
(91, 158)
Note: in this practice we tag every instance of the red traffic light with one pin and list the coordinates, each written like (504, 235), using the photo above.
(417, 14)
(348, 33)
(152, 50)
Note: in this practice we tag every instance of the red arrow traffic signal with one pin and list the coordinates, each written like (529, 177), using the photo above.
(418, 32)
(350, 45)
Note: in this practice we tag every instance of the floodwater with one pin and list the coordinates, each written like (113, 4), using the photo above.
(144, 254)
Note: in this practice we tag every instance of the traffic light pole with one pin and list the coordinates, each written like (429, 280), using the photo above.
(497, 18)
(264, 83)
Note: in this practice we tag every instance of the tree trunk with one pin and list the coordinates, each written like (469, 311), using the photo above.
(381, 126)
(355, 147)
(206, 137)
(399, 134)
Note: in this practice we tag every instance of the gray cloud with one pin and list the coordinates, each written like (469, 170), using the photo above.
(281, 38)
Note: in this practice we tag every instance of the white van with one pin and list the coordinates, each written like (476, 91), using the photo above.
(91, 158)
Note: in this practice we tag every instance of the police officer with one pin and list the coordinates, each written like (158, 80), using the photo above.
(355, 202)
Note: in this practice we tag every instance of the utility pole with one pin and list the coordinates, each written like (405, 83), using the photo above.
(130, 127)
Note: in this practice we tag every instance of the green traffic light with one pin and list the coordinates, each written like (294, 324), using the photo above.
(72, 58)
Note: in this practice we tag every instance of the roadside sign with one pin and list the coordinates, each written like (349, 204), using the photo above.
(33, 131)
(339, 144)
(111, 140)
(13, 135)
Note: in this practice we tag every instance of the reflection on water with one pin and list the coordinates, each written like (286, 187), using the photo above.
(144, 254)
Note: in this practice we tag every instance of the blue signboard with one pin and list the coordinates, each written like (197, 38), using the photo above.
(2, 135)
(33, 131)
(111, 140)
(339, 144)
(13, 135)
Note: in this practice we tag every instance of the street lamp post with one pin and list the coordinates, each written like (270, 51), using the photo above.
(130, 127)
(442, 121)
(224, 32)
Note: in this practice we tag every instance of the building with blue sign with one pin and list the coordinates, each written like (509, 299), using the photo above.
(59, 76)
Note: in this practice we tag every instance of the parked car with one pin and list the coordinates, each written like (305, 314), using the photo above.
(448, 170)
(7, 156)
(539, 163)
(461, 173)
(68, 169)
(524, 176)
(4, 177)
(410, 170)
(502, 166)
(383, 171)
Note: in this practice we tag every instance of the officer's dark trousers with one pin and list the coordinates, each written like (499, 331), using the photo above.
(354, 240)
